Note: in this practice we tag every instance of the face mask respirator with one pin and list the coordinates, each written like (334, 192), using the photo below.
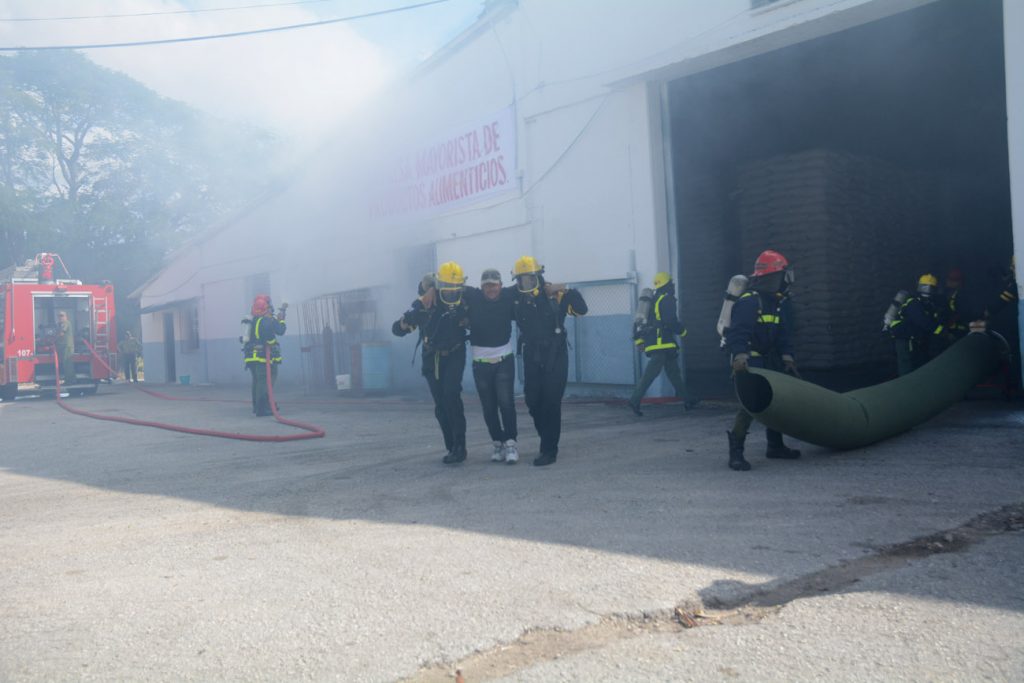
(527, 283)
(450, 296)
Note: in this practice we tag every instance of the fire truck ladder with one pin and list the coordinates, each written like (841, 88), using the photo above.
(101, 327)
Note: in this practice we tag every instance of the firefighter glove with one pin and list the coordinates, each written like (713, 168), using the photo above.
(739, 362)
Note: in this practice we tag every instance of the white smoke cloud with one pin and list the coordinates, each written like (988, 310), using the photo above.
(301, 81)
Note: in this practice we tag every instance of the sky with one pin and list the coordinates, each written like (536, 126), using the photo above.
(296, 83)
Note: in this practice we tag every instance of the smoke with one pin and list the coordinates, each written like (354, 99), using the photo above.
(294, 81)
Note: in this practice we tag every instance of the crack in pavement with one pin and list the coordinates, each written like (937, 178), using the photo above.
(754, 604)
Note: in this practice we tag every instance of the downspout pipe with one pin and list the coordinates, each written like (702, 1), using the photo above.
(858, 418)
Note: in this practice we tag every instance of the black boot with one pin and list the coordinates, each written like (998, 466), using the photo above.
(635, 407)
(736, 461)
(545, 459)
(263, 407)
(455, 456)
(776, 449)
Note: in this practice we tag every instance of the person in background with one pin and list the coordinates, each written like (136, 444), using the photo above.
(130, 350)
(955, 308)
(490, 310)
(658, 338)
(65, 345)
(440, 315)
(1007, 287)
(264, 329)
(540, 313)
(918, 328)
(758, 336)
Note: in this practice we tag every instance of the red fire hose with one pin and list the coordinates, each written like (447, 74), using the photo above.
(314, 432)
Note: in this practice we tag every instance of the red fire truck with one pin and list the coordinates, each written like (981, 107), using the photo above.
(30, 299)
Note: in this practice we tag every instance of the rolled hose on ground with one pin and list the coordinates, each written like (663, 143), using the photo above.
(858, 418)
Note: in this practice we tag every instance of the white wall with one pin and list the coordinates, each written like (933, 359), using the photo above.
(1013, 32)
(591, 198)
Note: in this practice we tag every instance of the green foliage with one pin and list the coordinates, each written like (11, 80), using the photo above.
(96, 167)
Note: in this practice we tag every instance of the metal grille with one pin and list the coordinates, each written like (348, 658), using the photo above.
(602, 350)
(333, 328)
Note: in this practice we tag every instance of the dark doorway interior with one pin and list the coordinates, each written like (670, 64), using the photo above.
(172, 372)
(868, 157)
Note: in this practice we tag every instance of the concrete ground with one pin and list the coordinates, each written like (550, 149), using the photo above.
(132, 553)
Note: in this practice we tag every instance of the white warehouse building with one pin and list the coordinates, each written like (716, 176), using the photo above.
(870, 141)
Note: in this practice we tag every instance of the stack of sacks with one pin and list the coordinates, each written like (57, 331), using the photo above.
(852, 227)
(708, 258)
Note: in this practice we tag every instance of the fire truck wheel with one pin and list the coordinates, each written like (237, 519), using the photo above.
(91, 390)
(8, 391)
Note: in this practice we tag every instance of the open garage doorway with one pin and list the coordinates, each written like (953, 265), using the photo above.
(868, 157)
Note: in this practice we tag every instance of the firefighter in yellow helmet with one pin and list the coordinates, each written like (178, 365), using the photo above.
(657, 337)
(259, 343)
(440, 315)
(540, 313)
(917, 329)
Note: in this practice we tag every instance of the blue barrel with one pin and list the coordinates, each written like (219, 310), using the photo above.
(376, 362)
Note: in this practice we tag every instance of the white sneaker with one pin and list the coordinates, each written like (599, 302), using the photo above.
(511, 452)
(499, 452)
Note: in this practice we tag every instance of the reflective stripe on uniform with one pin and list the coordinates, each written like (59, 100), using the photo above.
(256, 356)
(661, 343)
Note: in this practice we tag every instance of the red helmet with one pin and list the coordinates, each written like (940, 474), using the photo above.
(955, 275)
(261, 304)
(769, 262)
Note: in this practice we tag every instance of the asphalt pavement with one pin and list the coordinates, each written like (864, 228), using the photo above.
(130, 553)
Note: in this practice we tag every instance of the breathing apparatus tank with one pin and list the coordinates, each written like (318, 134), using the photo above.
(894, 308)
(246, 335)
(643, 306)
(643, 312)
(737, 285)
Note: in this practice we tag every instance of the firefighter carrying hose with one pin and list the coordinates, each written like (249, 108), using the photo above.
(440, 315)
(758, 337)
(540, 314)
(917, 330)
(258, 342)
(657, 335)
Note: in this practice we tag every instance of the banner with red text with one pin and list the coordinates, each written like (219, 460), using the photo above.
(470, 164)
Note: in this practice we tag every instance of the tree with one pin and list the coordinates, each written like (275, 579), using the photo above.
(107, 173)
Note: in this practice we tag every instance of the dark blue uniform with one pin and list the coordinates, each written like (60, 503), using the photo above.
(759, 328)
(263, 334)
(443, 335)
(915, 331)
(658, 339)
(541, 321)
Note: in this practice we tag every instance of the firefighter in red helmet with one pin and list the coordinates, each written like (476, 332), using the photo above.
(260, 338)
(758, 336)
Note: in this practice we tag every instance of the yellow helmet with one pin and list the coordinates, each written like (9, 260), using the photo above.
(927, 284)
(450, 273)
(526, 265)
(661, 279)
